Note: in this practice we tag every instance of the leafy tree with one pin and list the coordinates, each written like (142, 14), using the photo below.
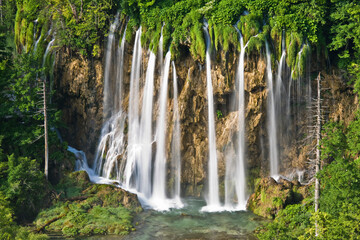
(26, 186)
(6, 219)
(345, 17)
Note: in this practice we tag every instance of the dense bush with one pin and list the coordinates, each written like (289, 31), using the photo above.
(339, 214)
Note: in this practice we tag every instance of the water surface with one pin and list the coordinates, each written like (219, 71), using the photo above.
(190, 223)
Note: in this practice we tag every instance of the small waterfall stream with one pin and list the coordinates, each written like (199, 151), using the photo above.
(133, 149)
(146, 136)
(176, 143)
(159, 180)
(271, 121)
(213, 201)
(236, 178)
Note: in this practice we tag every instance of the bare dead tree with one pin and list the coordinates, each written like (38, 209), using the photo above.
(46, 133)
(314, 161)
(43, 110)
(317, 163)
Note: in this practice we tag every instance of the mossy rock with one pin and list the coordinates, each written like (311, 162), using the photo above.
(85, 208)
(271, 196)
(73, 184)
(112, 196)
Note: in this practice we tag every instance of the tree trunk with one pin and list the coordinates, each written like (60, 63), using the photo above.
(1, 12)
(46, 133)
(317, 163)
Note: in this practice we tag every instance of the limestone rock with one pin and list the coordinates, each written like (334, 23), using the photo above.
(271, 196)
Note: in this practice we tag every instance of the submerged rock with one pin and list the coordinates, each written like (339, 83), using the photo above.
(271, 196)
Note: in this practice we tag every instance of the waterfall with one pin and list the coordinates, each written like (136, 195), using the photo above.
(133, 150)
(108, 95)
(82, 165)
(237, 176)
(213, 202)
(112, 139)
(176, 143)
(47, 51)
(159, 180)
(271, 121)
(279, 82)
(146, 137)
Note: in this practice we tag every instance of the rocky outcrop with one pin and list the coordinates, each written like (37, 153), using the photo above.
(79, 92)
(271, 196)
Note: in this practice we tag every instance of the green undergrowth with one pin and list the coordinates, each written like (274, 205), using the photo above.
(83, 208)
(338, 216)
(87, 217)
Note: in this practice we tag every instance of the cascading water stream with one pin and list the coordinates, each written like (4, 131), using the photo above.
(176, 155)
(237, 177)
(271, 121)
(133, 149)
(146, 137)
(47, 51)
(111, 144)
(213, 201)
(108, 104)
(279, 82)
(159, 179)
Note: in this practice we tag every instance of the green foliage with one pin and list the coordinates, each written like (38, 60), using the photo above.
(8, 229)
(345, 39)
(26, 186)
(339, 213)
(100, 213)
(333, 141)
(6, 219)
(353, 136)
(290, 223)
(219, 114)
(340, 184)
(346, 226)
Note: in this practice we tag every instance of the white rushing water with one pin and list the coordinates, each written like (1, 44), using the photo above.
(108, 94)
(236, 173)
(271, 120)
(133, 149)
(146, 137)
(212, 200)
(176, 143)
(279, 82)
(111, 144)
(159, 180)
(47, 51)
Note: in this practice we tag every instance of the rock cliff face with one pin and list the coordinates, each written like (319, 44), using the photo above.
(79, 94)
(79, 85)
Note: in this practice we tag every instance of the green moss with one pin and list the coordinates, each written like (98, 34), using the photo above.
(17, 28)
(29, 36)
(250, 25)
(87, 219)
(263, 196)
(277, 202)
(23, 27)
